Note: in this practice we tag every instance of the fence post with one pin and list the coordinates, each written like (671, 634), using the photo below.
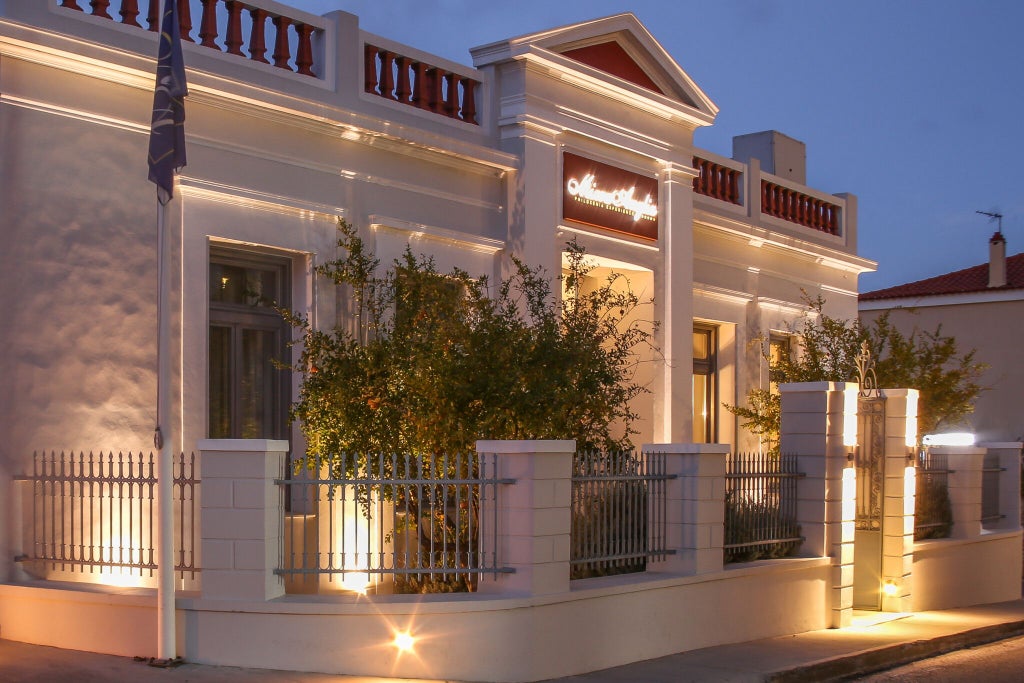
(965, 464)
(819, 426)
(242, 521)
(695, 500)
(899, 491)
(534, 516)
(1009, 458)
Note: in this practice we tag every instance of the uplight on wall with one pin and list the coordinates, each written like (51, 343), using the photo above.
(404, 641)
(910, 437)
(889, 588)
(850, 417)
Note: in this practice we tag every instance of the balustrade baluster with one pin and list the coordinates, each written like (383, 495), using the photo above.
(420, 91)
(99, 8)
(798, 208)
(304, 54)
(185, 20)
(282, 51)
(469, 100)
(434, 83)
(70, 4)
(370, 68)
(833, 220)
(153, 16)
(734, 186)
(818, 208)
(402, 89)
(257, 40)
(129, 10)
(208, 25)
(387, 74)
(233, 37)
(451, 102)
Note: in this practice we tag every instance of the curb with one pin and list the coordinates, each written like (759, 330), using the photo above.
(879, 659)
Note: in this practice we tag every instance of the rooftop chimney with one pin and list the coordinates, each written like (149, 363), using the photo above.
(997, 260)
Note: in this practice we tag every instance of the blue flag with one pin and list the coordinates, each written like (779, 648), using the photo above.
(167, 134)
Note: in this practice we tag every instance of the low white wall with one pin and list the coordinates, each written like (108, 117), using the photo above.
(600, 623)
(116, 621)
(953, 572)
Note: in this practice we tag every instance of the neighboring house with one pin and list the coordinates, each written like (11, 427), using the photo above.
(584, 131)
(982, 307)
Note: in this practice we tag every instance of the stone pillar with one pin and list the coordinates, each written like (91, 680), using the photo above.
(695, 500)
(899, 494)
(534, 516)
(1008, 456)
(819, 426)
(242, 522)
(965, 464)
(673, 303)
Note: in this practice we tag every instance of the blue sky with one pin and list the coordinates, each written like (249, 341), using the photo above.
(915, 106)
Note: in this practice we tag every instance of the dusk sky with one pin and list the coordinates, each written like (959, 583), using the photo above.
(915, 106)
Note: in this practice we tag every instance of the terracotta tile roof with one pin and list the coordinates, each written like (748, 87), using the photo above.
(973, 279)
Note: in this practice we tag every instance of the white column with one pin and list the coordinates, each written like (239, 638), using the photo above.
(673, 301)
(695, 499)
(965, 463)
(899, 493)
(819, 426)
(1008, 455)
(534, 516)
(242, 522)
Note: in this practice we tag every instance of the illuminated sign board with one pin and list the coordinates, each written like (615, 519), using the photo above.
(608, 197)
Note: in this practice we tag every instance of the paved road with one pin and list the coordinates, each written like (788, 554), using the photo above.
(993, 663)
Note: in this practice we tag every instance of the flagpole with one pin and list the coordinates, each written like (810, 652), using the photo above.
(166, 158)
(164, 442)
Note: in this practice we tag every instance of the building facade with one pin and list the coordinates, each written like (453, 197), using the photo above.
(981, 308)
(582, 132)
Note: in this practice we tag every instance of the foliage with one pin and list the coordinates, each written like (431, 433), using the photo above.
(433, 362)
(947, 379)
(933, 510)
(745, 520)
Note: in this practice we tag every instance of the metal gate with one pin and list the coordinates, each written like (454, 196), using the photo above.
(867, 542)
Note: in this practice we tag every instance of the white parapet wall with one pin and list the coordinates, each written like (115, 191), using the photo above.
(951, 572)
(599, 623)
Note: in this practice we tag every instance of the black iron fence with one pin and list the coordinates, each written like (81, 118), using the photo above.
(760, 506)
(619, 512)
(94, 515)
(933, 512)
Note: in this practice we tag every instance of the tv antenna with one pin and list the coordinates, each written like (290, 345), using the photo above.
(993, 216)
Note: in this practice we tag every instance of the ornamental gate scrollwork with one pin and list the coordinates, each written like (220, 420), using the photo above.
(870, 462)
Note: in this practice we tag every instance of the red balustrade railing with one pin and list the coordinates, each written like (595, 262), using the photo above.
(413, 82)
(221, 28)
(797, 207)
(717, 181)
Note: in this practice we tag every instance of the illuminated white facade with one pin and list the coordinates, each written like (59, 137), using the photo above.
(275, 155)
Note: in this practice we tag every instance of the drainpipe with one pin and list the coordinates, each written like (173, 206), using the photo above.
(997, 260)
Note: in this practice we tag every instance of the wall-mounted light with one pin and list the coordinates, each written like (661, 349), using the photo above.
(890, 588)
(951, 439)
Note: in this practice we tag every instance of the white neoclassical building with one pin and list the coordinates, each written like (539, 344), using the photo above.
(515, 155)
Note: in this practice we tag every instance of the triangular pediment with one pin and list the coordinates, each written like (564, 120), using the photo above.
(616, 49)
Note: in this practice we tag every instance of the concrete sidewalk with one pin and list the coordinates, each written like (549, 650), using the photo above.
(871, 644)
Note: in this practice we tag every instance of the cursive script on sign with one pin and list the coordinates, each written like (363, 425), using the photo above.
(621, 200)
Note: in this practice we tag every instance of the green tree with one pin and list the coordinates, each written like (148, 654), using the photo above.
(932, 363)
(433, 362)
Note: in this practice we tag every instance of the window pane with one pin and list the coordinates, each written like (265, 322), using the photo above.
(701, 344)
(241, 286)
(220, 382)
(257, 395)
(701, 419)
